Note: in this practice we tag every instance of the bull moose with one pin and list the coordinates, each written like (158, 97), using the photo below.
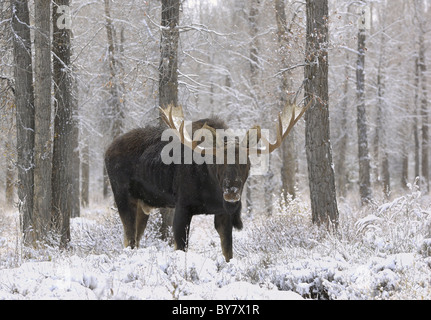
(141, 180)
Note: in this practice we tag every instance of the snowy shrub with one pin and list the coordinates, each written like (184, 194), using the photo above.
(425, 247)
(396, 226)
(381, 251)
(289, 226)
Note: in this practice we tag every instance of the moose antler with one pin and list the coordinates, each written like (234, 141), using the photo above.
(286, 120)
(174, 118)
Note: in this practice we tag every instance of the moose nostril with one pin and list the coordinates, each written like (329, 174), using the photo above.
(231, 196)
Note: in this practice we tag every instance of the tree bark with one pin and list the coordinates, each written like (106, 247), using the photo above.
(168, 67)
(405, 169)
(341, 171)
(85, 175)
(363, 153)
(421, 95)
(76, 161)
(10, 160)
(24, 100)
(416, 120)
(63, 171)
(254, 69)
(386, 176)
(317, 137)
(10, 175)
(42, 101)
(380, 136)
(424, 114)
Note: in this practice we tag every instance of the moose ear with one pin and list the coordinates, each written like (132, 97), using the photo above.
(252, 137)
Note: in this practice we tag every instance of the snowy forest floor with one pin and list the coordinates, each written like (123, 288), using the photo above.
(379, 252)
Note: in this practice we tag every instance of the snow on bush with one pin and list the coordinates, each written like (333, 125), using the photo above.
(379, 252)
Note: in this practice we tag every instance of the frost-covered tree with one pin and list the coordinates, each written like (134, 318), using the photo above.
(24, 101)
(64, 170)
(317, 137)
(363, 152)
(42, 107)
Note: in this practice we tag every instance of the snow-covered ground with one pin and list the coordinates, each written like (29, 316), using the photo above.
(381, 252)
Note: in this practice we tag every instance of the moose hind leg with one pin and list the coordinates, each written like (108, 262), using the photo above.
(142, 215)
(223, 225)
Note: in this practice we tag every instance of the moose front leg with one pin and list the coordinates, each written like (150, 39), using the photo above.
(223, 225)
(181, 228)
(127, 210)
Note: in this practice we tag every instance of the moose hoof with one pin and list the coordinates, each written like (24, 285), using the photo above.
(130, 243)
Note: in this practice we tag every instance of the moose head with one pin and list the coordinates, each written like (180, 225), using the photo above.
(227, 153)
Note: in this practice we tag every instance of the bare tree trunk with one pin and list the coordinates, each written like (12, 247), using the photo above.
(254, 69)
(406, 131)
(386, 177)
(424, 114)
(341, 170)
(405, 169)
(10, 159)
(415, 120)
(10, 176)
(317, 137)
(168, 75)
(115, 102)
(363, 153)
(42, 103)
(289, 165)
(24, 100)
(85, 175)
(421, 87)
(341, 164)
(76, 161)
(377, 131)
(380, 137)
(63, 171)
(10, 181)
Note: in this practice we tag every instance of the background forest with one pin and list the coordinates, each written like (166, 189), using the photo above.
(240, 60)
(218, 75)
